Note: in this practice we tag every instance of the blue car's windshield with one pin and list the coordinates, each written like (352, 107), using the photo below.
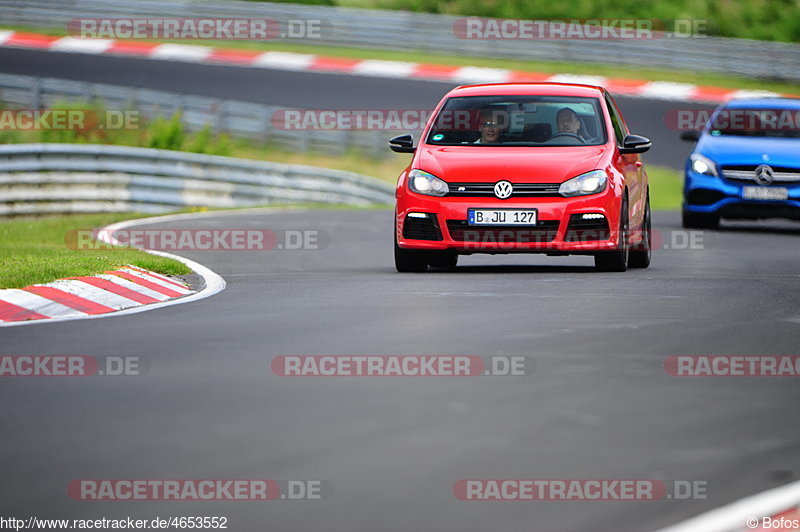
(519, 121)
(760, 122)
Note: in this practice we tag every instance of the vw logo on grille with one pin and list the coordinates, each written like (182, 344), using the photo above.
(503, 189)
(764, 174)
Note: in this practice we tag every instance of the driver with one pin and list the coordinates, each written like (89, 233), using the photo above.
(489, 127)
(567, 121)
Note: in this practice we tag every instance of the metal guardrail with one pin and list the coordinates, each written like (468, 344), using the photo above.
(241, 119)
(434, 33)
(64, 178)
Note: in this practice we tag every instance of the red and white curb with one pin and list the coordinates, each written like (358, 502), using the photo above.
(777, 509)
(126, 290)
(88, 295)
(655, 90)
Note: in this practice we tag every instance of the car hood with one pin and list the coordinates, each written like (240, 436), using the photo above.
(750, 150)
(516, 164)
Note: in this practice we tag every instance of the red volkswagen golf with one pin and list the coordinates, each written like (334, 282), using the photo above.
(523, 168)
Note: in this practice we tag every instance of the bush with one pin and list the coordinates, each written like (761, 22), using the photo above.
(167, 134)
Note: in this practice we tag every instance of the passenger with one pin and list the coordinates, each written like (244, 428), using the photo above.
(567, 121)
(490, 128)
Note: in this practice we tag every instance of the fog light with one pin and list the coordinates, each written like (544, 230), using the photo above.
(417, 215)
(592, 216)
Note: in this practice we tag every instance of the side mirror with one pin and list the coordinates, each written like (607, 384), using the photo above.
(690, 136)
(402, 144)
(635, 144)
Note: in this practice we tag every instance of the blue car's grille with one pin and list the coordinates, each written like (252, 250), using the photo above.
(780, 175)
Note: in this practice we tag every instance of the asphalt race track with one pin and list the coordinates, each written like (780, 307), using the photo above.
(598, 405)
(308, 90)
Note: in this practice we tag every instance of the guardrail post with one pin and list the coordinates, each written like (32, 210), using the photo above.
(219, 116)
(36, 94)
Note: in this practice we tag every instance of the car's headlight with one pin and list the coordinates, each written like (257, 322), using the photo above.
(588, 183)
(703, 165)
(424, 183)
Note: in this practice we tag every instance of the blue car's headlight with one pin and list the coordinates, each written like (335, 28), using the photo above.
(584, 184)
(703, 165)
(422, 182)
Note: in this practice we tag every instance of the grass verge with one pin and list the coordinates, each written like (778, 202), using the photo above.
(666, 188)
(34, 251)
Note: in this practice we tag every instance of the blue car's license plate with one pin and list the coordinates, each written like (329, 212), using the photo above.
(765, 193)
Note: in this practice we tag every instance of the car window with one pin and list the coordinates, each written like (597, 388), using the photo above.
(756, 122)
(519, 121)
(619, 126)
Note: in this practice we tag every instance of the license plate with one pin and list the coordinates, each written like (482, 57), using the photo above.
(764, 193)
(501, 217)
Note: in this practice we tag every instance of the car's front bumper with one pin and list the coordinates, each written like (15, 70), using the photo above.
(725, 198)
(555, 232)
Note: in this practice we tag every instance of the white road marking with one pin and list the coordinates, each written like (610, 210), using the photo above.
(470, 74)
(733, 517)
(385, 69)
(181, 52)
(667, 90)
(84, 46)
(284, 60)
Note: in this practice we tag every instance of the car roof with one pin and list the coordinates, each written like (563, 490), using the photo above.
(528, 89)
(765, 103)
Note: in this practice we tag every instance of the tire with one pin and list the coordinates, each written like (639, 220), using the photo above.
(642, 252)
(443, 259)
(617, 260)
(699, 220)
(410, 260)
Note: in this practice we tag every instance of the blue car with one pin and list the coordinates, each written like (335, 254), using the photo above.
(746, 163)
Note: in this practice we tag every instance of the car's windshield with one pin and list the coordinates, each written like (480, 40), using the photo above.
(519, 121)
(756, 122)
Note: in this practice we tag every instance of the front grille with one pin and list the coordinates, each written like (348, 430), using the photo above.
(748, 174)
(422, 228)
(580, 230)
(521, 190)
(543, 231)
